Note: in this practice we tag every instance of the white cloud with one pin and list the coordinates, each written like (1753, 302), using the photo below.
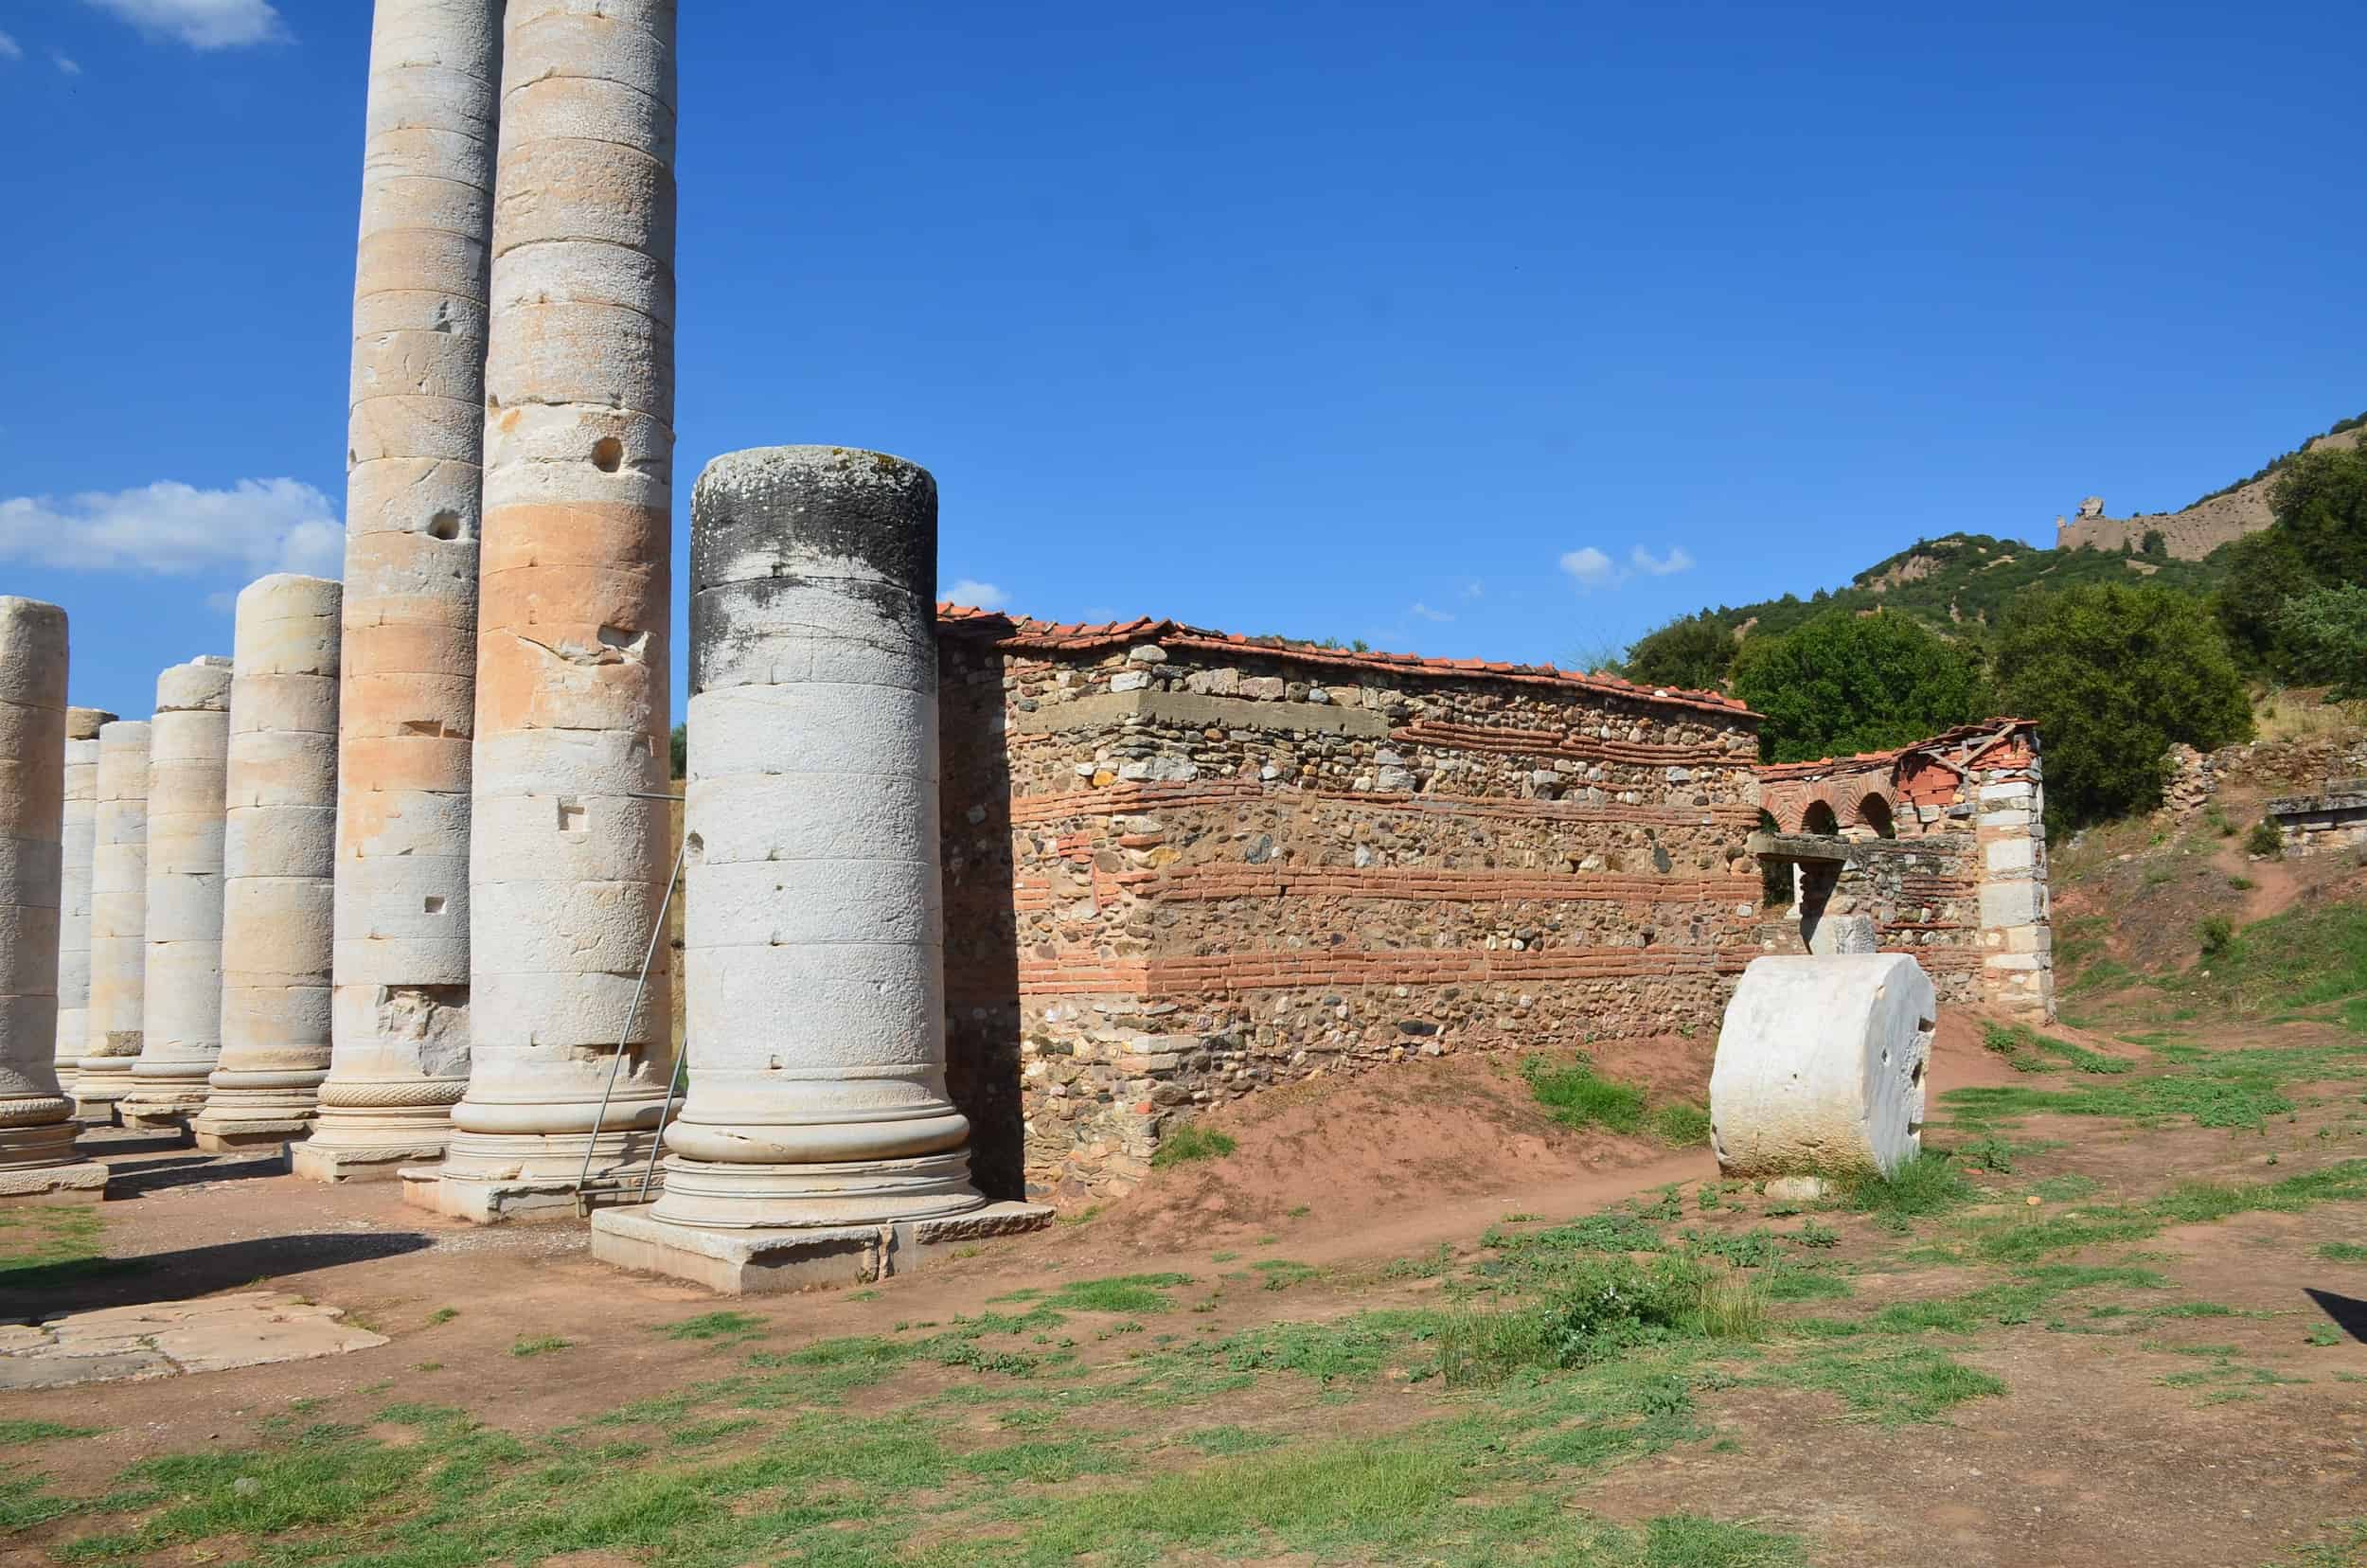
(978, 596)
(1591, 569)
(1472, 589)
(68, 65)
(10, 49)
(168, 529)
(201, 24)
(1426, 613)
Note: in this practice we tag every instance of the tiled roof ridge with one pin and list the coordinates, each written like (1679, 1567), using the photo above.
(1867, 759)
(1026, 631)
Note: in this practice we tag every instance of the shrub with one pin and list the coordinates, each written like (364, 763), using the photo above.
(2264, 839)
(1694, 654)
(2319, 500)
(1603, 1304)
(2322, 636)
(2114, 674)
(1191, 1142)
(2217, 932)
(1847, 683)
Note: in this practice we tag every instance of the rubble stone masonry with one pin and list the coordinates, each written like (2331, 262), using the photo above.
(1181, 867)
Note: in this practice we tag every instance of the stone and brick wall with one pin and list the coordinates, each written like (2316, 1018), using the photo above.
(1941, 844)
(1181, 867)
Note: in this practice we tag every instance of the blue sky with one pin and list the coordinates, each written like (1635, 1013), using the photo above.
(1362, 320)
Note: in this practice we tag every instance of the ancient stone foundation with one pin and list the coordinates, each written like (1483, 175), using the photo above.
(399, 996)
(1820, 1068)
(38, 1160)
(181, 1029)
(569, 853)
(278, 851)
(811, 1132)
(77, 839)
(118, 920)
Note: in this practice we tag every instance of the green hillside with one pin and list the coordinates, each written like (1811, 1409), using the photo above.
(1961, 584)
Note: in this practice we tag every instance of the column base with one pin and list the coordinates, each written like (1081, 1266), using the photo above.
(772, 1263)
(229, 1137)
(505, 1199)
(83, 1181)
(718, 1195)
(154, 1116)
(316, 1161)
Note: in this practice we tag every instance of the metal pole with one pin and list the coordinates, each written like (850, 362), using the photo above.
(640, 985)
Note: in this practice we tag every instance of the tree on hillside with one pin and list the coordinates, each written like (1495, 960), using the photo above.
(2115, 675)
(1846, 683)
(1693, 654)
(2319, 541)
(2321, 635)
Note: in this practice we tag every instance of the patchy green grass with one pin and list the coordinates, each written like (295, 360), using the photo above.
(1892, 1386)
(2343, 1252)
(1136, 1293)
(14, 1433)
(1578, 1097)
(44, 1248)
(1189, 1142)
(1683, 1124)
(729, 1326)
(539, 1344)
(2233, 1089)
(1927, 1185)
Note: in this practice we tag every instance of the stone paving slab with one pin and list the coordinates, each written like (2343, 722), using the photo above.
(164, 1339)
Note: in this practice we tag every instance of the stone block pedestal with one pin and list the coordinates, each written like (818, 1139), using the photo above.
(773, 1262)
(318, 1162)
(153, 1118)
(250, 1135)
(83, 1181)
(483, 1200)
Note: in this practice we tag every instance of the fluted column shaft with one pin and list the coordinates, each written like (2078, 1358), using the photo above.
(77, 836)
(400, 1006)
(815, 942)
(36, 1119)
(278, 853)
(570, 856)
(118, 920)
(180, 1027)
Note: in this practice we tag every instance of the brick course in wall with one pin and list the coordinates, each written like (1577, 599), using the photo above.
(1182, 867)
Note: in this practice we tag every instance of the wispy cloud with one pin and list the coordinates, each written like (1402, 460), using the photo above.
(201, 24)
(978, 596)
(174, 529)
(1589, 568)
(1425, 612)
(67, 64)
(1472, 589)
(10, 49)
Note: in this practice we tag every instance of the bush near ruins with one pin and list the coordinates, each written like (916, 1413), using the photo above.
(2115, 675)
(2320, 543)
(1846, 683)
(1692, 655)
(2322, 636)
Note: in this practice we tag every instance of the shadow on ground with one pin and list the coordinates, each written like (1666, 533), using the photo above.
(80, 1284)
(2348, 1313)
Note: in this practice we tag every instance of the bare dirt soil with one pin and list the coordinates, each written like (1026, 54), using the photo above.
(1251, 1358)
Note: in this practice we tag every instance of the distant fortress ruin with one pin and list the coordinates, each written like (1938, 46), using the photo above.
(2191, 534)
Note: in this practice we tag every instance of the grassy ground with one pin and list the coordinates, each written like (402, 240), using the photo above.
(1461, 1407)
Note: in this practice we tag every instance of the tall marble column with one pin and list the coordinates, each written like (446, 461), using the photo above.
(400, 1001)
(118, 920)
(278, 853)
(570, 855)
(180, 1027)
(38, 1160)
(817, 1113)
(76, 839)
